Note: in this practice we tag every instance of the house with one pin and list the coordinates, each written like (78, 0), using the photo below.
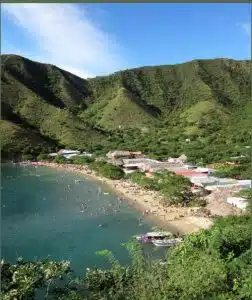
(66, 152)
(116, 162)
(52, 154)
(246, 184)
(137, 154)
(203, 181)
(190, 173)
(118, 154)
(172, 160)
(159, 166)
(239, 202)
(179, 160)
(123, 154)
(142, 164)
(223, 183)
(205, 170)
(190, 166)
(86, 154)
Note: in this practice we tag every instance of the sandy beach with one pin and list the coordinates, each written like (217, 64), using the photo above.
(178, 219)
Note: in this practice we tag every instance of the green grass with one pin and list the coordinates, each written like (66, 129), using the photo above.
(124, 111)
(246, 193)
(197, 111)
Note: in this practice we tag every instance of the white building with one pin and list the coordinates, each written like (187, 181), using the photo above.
(204, 170)
(245, 184)
(189, 166)
(178, 160)
(138, 162)
(86, 154)
(204, 181)
(68, 153)
(53, 154)
(239, 202)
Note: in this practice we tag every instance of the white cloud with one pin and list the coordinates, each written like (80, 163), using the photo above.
(246, 27)
(78, 72)
(67, 38)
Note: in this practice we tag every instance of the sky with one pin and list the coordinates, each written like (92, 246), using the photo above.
(98, 39)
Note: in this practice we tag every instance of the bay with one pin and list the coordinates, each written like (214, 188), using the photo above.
(47, 214)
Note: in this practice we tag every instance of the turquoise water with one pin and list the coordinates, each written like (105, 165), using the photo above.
(45, 213)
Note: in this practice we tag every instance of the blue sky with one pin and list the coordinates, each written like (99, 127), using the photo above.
(98, 39)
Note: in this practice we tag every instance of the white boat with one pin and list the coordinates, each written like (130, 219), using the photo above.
(83, 209)
(150, 236)
(78, 180)
(167, 242)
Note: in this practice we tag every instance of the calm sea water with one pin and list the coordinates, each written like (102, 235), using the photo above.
(45, 213)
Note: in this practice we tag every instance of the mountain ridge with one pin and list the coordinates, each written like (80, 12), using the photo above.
(115, 110)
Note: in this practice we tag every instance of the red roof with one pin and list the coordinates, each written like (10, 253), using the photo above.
(190, 173)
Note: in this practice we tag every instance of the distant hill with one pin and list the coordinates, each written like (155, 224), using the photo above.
(153, 109)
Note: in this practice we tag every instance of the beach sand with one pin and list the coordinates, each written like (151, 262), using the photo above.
(149, 203)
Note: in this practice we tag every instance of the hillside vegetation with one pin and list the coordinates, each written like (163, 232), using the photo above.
(213, 264)
(150, 109)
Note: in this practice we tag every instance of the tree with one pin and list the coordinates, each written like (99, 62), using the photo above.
(60, 159)
(42, 156)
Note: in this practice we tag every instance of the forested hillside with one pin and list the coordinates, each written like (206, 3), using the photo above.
(202, 108)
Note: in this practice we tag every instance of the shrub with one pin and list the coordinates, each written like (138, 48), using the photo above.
(27, 157)
(60, 159)
(247, 193)
(176, 189)
(82, 160)
(111, 172)
(145, 182)
(236, 172)
(197, 202)
(107, 170)
(96, 165)
(42, 156)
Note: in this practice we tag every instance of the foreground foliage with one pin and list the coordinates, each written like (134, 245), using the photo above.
(211, 264)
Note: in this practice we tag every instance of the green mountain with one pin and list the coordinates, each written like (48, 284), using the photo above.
(152, 109)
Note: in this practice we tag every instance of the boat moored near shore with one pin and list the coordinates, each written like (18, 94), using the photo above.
(150, 236)
(167, 242)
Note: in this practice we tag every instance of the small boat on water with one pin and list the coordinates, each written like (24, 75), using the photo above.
(78, 180)
(151, 236)
(167, 242)
(24, 164)
(83, 209)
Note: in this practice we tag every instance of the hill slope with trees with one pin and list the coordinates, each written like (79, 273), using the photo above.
(151, 109)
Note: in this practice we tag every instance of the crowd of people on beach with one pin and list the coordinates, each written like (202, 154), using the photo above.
(148, 203)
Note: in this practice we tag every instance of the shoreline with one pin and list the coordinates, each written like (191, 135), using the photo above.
(173, 218)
